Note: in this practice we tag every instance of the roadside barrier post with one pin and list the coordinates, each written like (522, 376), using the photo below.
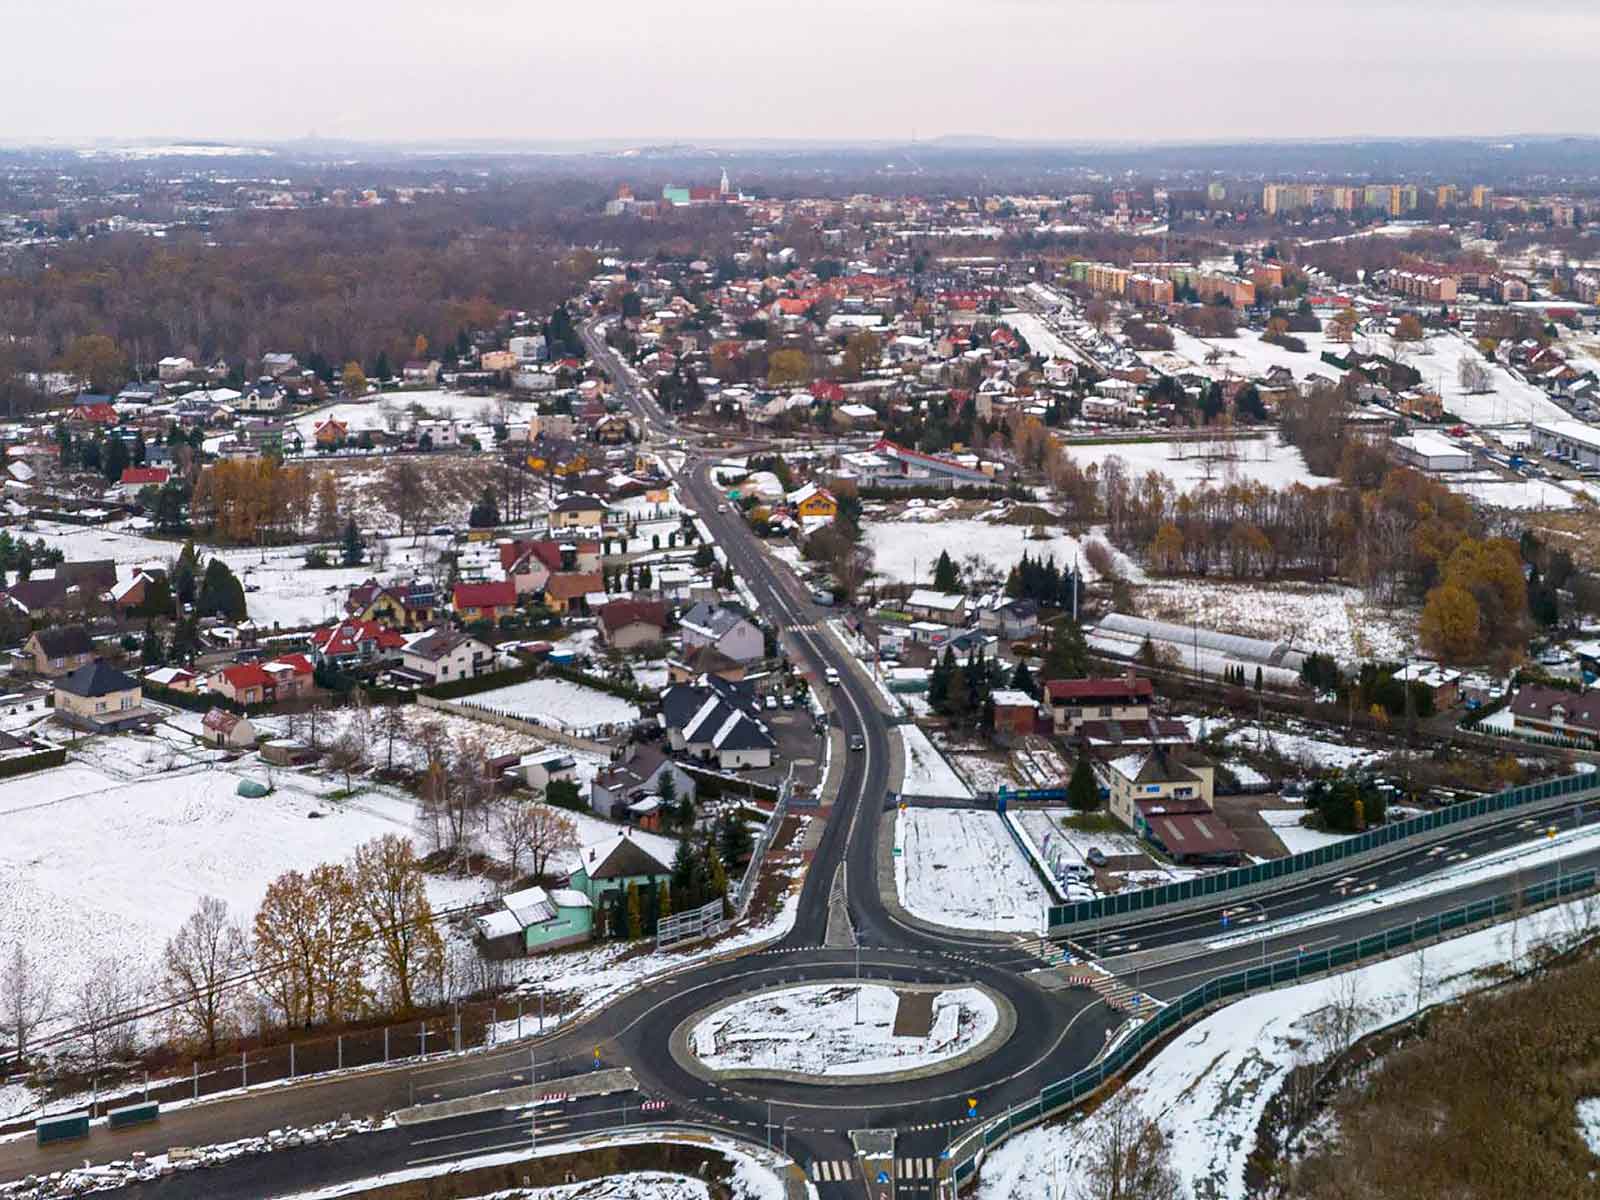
(196, 1065)
(423, 1034)
(244, 1068)
(385, 1043)
(291, 1060)
(339, 1043)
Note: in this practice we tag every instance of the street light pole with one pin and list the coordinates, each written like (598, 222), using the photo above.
(533, 1094)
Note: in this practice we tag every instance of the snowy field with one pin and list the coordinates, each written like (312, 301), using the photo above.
(1303, 749)
(960, 868)
(1335, 620)
(1190, 465)
(838, 1030)
(927, 773)
(1510, 402)
(983, 774)
(905, 551)
(1209, 1087)
(101, 860)
(1532, 495)
(378, 412)
(558, 704)
(1247, 356)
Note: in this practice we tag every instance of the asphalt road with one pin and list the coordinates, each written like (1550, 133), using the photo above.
(1058, 1031)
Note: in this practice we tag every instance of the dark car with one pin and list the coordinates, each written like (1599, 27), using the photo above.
(857, 742)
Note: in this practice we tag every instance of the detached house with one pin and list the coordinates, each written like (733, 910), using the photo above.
(227, 730)
(444, 655)
(407, 605)
(353, 642)
(1553, 712)
(728, 631)
(629, 624)
(1074, 701)
(813, 503)
(716, 721)
(98, 696)
(578, 511)
(637, 776)
(60, 650)
(484, 601)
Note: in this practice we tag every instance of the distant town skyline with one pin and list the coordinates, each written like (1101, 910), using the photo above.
(1036, 70)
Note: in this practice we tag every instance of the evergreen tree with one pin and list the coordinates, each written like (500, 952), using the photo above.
(151, 652)
(354, 547)
(734, 842)
(1022, 680)
(939, 681)
(221, 594)
(945, 576)
(663, 901)
(635, 914)
(1068, 656)
(688, 875)
(1260, 679)
(115, 459)
(1083, 793)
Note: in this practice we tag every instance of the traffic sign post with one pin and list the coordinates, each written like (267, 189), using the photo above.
(972, 1107)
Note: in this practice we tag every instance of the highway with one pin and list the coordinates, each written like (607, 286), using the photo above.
(1059, 1029)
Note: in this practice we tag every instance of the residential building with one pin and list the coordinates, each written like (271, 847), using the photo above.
(571, 589)
(174, 679)
(533, 921)
(1016, 715)
(1013, 620)
(59, 650)
(484, 601)
(636, 776)
(98, 696)
(355, 642)
(227, 730)
(1074, 701)
(947, 607)
(1541, 711)
(578, 511)
(613, 863)
(717, 721)
(544, 767)
(812, 502)
(629, 624)
(409, 604)
(445, 655)
(730, 632)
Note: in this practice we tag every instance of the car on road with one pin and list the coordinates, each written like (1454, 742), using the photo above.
(772, 703)
(857, 742)
(788, 699)
(722, 508)
(832, 676)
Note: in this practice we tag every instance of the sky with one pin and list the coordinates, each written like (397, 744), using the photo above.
(656, 70)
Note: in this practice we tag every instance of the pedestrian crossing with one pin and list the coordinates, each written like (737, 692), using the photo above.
(842, 1170)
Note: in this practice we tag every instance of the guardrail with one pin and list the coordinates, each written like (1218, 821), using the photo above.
(1347, 851)
(1058, 1097)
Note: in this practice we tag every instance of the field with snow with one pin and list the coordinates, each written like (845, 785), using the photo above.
(926, 771)
(399, 409)
(558, 704)
(1209, 1086)
(1247, 356)
(1191, 465)
(1327, 617)
(1511, 401)
(1309, 752)
(960, 868)
(1532, 495)
(108, 858)
(905, 551)
(1296, 838)
(838, 1030)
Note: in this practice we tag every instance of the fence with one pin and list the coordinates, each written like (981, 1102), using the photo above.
(1062, 1095)
(515, 722)
(703, 922)
(752, 872)
(1061, 915)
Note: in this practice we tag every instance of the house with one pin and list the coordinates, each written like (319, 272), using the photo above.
(716, 721)
(534, 920)
(243, 683)
(290, 675)
(727, 630)
(419, 374)
(1014, 620)
(174, 679)
(1016, 715)
(578, 511)
(638, 775)
(1073, 701)
(98, 696)
(705, 660)
(613, 863)
(539, 770)
(264, 396)
(444, 655)
(59, 650)
(352, 642)
(1174, 778)
(1442, 683)
(629, 624)
(401, 605)
(484, 601)
(927, 604)
(1540, 711)
(813, 502)
(569, 588)
(227, 730)
(330, 434)
(128, 595)
(135, 479)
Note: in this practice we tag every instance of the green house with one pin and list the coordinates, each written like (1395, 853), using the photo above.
(612, 864)
(533, 920)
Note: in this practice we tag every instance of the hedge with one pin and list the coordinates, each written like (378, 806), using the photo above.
(200, 702)
(457, 688)
(635, 694)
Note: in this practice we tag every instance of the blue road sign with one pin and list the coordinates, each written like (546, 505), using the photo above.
(883, 1177)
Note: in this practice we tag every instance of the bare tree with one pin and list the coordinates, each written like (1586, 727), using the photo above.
(198, 967)
(347, 756)
(403, 492)
(27, 995)
(103, 1002)
(513, 828)
(550, 832)
(1340, 1020)
(1127, 1156)
(393, 897)
(391, 724)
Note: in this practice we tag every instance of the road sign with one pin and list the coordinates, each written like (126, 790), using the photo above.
(897, 851)
(972, 1106)
(883, 1177)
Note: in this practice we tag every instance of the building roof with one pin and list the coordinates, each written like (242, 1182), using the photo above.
(139, 476)
(1536, 702)
(500, 594)
(621, 613)
(64, 641)
(1078, 691)
(241, 676)
(712, 621)
(1192, 834)
(220, 720)
(96, 679)
(346, 637)
(619, 857)
(569, 585)
(936, 601)
(579, 502)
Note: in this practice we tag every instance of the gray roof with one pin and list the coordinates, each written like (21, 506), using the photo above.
(96, 679)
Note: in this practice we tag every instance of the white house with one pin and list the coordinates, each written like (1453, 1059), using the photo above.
(441, 655)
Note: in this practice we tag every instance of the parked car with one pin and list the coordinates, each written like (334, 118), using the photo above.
(772, 702)
(1096, 856)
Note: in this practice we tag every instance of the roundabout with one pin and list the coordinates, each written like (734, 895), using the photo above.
(830, 1032)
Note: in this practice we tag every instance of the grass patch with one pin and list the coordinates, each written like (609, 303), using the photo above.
(1095, 822)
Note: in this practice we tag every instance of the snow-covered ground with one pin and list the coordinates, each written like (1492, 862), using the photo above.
(1210, 1085)
(1247, 356)
(1310, 752)
(960, 868)
(108, 859)
(1296, 838)
(1190, 465)
(983, 774)
(926, 771)
(1535, 495)
(1511, 401)
(558, 704)
(1589, 1122)
(378, 412)
(906, 551)
(838, 1030)
(1335, 620)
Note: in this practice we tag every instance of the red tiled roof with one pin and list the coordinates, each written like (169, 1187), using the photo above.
(241, 676)
(1121, 688)
(346, 638)
(144, 475)
(502, 594)
(620, 613)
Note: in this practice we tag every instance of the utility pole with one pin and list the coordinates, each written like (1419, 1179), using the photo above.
(533, 1092)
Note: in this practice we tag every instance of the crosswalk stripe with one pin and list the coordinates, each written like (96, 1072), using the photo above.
(830, 1171)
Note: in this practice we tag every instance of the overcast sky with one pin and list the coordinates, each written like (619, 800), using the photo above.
(847, 69)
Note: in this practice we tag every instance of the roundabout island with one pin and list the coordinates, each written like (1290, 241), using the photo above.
(845, 1030)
